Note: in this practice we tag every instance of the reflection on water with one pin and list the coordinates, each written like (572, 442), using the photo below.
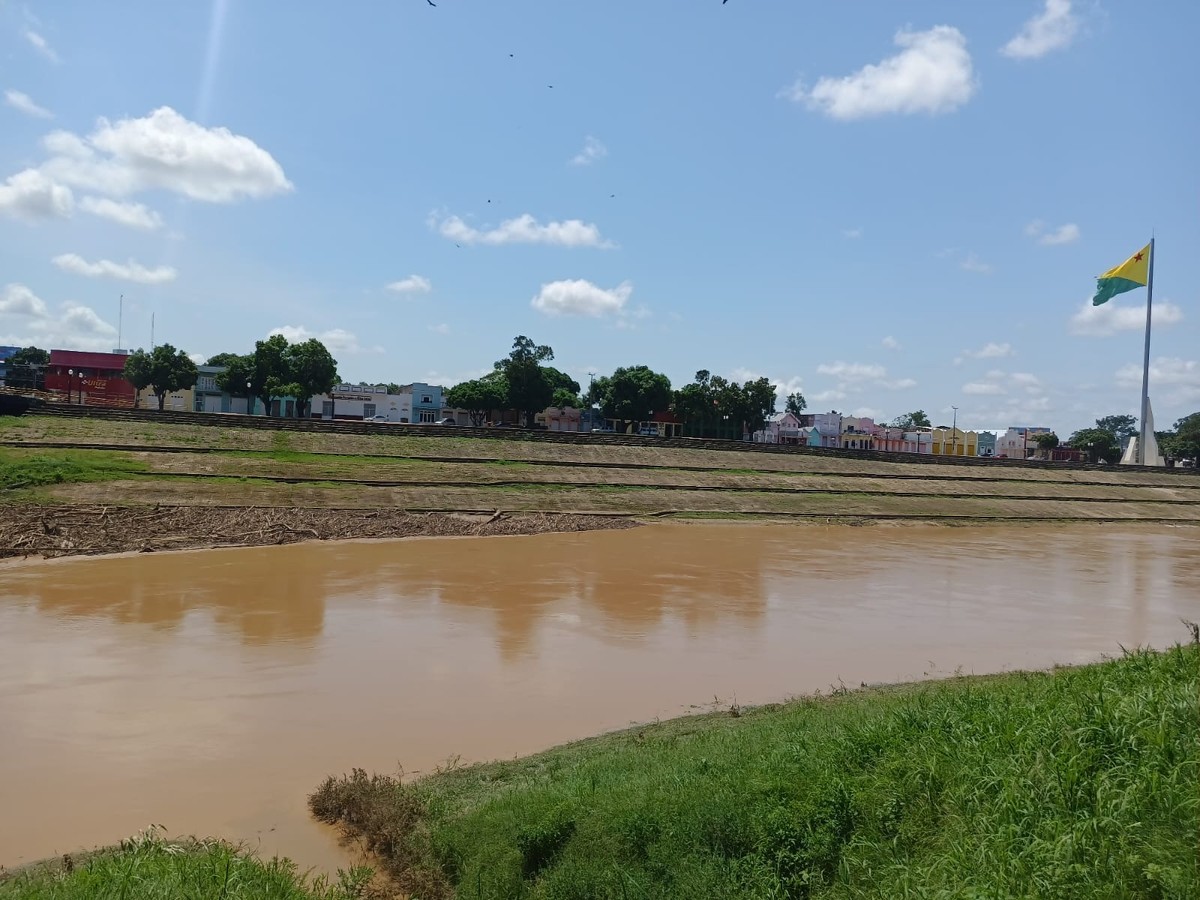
(210, 691)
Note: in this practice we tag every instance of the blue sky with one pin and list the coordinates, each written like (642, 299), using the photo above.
(889, 206)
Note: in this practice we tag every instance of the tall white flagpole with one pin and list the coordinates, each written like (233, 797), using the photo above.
(1142, 441)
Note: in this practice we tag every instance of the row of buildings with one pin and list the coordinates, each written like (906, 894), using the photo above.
(863, 433)
(98, 379)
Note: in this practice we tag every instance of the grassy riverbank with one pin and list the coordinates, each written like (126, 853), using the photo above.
(1080, 782)
(150, 867)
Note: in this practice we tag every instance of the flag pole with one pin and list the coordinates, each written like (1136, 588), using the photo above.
(1141, 450)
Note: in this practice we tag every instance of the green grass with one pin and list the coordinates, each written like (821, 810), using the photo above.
(31, 469)
(149, 867)
(1079, 782)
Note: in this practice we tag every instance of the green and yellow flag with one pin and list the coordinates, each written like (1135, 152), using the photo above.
(1133, 273)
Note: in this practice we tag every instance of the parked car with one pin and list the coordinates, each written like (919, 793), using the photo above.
(445, 421)
(648, 431)
(377, 420)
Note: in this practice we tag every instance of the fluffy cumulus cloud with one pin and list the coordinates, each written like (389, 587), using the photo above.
(26, 319)
(854, 377)
(990, 350)
(891, 343)
(413, 284)
(1176, 380)
(524, 229)
(783, 386)
(578, 297)
(163, 151)
(336, 340)
(592, 151)
(41, 45)
(1051, 29)
(998, 383)
(1112, 318)
(983, 388)
(972, 263)
(931, 74)
(106, 268)
(1055, 237)
(24, 103)
(29, 194)
(133, 215)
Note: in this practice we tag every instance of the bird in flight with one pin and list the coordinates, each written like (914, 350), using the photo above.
(430, 2)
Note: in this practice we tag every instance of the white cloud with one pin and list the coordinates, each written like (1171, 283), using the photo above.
(442, 328)
(524, 229)
(31, 195)
(868, 412)
(413, 284)
(26, 319)
(1177, 380)
(41, 45)
(990, 350)
(783, 386)
(164, 151)
(899, 384)
(852, 234)
(577, 297)
(931, 74)
(828, 396)
(18, 300)
(134, 215)
(1112, 318)
(24, 103)
(336, 340)
(852, 372)
(983, 388)
(891, 343)
(1054, 27)
(105, 268)
(973, 263)
(1063, 234)
(592, 151)
(198, 358)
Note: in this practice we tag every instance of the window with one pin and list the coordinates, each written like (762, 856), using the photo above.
(327, 409)
(426, 399)
(368, 410)
(426, 415)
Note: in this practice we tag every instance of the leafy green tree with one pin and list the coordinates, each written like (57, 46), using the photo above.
(1121, 426)
(1046, 443)
(234, 379)
(1097, 443)
(1186, 443)
(529, 388)
(796, 404)
(564, 397)
(26, 368)
(394, 388)
(757, 404)
(912, 420)
(30, 356)
(632, 394)
(479, 397)
(164, 370)
(694, 403)
(222, 359)
(312, 370)
(560, 380)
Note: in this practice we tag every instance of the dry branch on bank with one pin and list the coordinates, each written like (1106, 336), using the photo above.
(81, 530)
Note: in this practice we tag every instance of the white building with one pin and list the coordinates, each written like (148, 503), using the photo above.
(781, 428)
(363, 401)
(829, 427)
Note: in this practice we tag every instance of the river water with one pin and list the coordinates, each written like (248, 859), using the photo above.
(210, 692)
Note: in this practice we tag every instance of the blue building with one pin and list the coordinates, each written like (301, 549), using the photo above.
(426, 401)
(5, 354)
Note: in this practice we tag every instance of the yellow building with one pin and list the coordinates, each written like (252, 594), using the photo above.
(181, 401)
(955, 442)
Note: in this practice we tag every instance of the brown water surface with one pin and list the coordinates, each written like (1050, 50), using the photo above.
(210, 692)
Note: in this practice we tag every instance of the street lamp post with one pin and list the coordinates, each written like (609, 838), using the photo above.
(954, 433)
(249, 401)
(70, 385)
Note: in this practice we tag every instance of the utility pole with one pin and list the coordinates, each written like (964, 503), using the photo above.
(954, 433)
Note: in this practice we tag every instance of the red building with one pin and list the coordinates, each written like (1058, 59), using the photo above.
(90, 377)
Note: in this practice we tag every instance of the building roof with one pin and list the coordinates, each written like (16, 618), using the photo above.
(87, 360)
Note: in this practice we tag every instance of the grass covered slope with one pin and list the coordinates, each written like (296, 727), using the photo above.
(1080, 782)
(149, 867)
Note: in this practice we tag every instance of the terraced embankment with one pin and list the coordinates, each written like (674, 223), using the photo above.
(69, 479)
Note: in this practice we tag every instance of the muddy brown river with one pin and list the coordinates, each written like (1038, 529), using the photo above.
(211, 691)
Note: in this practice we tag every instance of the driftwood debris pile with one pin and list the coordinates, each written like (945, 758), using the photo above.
(35, 530)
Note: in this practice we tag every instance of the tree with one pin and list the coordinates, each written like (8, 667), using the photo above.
(234, 379)
(796, 403)
(563, 397)
(164, 370)
(560, 380)
(1046, 443)
(479, 397)
(30, 356)
(1187, 436)
(1098, 443)
(312, 370)
(529, 388)
(757, 405)
(1120, 426)
(394, 388)
(222, 359)
(631, 394)
(912, 420)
